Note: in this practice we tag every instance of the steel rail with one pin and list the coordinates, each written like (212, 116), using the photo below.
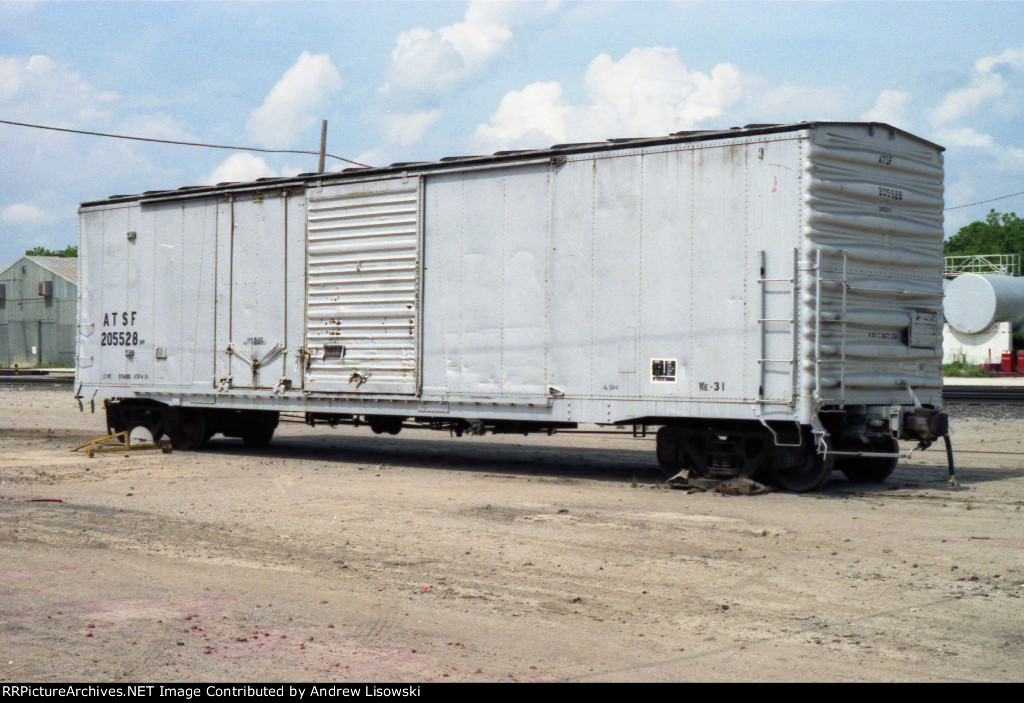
(1011, 395)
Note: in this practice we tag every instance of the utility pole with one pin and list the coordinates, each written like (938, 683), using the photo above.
(323, 145)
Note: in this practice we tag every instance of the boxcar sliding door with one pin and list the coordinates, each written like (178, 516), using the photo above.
(362, 287)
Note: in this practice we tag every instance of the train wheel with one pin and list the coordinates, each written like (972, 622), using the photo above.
(810, 475)
(259, 436)
(668, 452)
(669, 469)
(871, 469)
(122, 418)
(189, 430)
(258, 429)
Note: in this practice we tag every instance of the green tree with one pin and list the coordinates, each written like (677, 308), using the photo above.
(69, 251)
(996, 234)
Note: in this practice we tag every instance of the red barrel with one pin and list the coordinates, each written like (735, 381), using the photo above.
(1007, 364)
(1020, 362)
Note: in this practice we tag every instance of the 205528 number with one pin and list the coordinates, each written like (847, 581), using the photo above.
(119, 339)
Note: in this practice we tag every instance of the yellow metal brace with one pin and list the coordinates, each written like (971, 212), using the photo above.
(120, 442)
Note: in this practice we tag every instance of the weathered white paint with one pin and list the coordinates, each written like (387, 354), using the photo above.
(776, 273)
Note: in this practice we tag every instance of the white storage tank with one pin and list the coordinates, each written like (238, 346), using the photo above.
(974, 302)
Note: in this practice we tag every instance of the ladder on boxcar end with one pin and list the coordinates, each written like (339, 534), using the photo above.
(763, 361)
(793, 362)
(819, 319)
(763, 320)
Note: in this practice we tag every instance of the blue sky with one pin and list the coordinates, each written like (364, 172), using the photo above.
(404, 81)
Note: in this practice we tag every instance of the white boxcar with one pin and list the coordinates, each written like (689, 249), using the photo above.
(769, 296)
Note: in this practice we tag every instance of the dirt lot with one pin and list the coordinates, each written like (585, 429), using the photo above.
(335, 554)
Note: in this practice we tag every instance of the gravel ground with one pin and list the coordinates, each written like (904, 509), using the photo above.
(338, 555)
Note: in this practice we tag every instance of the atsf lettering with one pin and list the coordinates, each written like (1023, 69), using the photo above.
(119, 319)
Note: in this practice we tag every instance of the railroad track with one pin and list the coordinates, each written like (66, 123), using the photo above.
(1013, 395)
(37, 379)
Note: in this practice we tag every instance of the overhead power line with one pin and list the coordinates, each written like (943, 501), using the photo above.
(171, 141)
(990, 200)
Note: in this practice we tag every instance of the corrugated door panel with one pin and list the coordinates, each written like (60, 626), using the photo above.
(362, 302)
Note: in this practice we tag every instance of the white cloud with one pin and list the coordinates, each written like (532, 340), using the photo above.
(648, 92)
(422, 62)
(408, 128)
(240, 167)
(764, 102)
(426, 61)
(963, 191)
(958, 103)
(58, 170)
(24, 214)
(292, 104)
(156, 126)
(964, 136)
(987, 84)
(484, 31)
(890, 107)
(989, 155)
(371, 157)
(12, 12)
(1013, 58)
(38, 89)
(535, 116)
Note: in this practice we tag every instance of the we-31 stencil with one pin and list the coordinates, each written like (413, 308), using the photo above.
(663, 370)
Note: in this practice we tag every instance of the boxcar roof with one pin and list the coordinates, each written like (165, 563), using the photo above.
(499, 157)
